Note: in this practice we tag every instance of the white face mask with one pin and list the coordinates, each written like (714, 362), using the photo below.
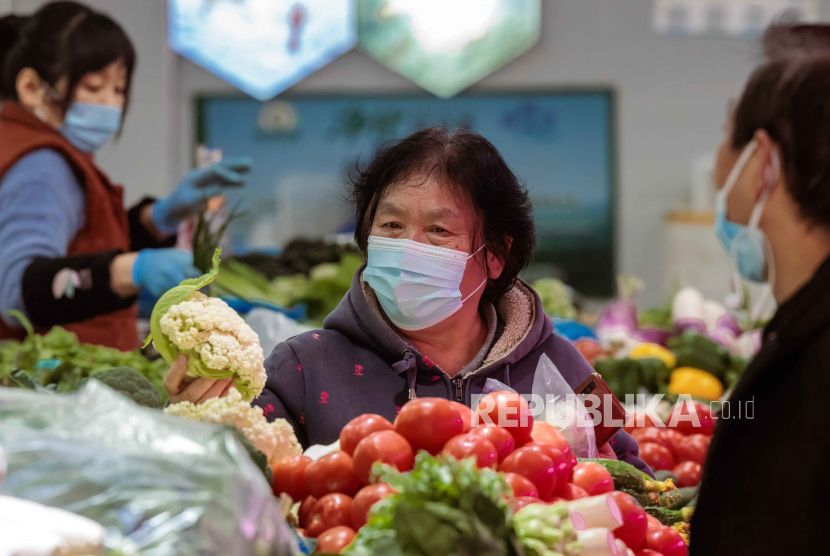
(417, 285)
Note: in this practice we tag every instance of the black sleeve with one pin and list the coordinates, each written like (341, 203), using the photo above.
(140, 237)
(70, 289)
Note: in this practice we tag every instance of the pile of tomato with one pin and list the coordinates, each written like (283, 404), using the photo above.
(681, 448)
(337, 490)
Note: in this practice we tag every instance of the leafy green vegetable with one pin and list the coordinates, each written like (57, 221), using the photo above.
(58, 361)
(207, 235)
(166, 349)
(625, 376)
(442, 507)
(132, 384)
(556, 298)
(696, 350)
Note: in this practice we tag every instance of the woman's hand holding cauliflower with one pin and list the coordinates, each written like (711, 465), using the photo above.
(218, 344)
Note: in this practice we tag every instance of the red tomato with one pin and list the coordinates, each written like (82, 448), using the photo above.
(365, 499)
(331, 473)
(573, 492)
(555, 500)
(471, 445)
(635, 524)
(521, 487)
(687, 473)
(466, 416)
(666, 541)
(359, 428)
(300, 531)
(428, 423)
(501, 439)
(641, 420)
(561, 467)
(653, 522)
(289, 477)
(335, 539)
(535, 466)
(508, 410)
(656, 456)
(654, 435)
(646, 552)
(384, 446)
(573, 464)
(519, 503)
(548, 434)
(674, 439)
(694, 448)
(330, 511)
(680, 416)
(593, 478)
(304, 513)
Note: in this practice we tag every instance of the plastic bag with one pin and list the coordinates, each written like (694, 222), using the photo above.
(564, 409)
(273, 328)
(560, 407)
(161, 485)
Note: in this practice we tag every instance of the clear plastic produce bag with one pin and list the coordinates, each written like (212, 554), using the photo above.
(561, 407)
(161, 485)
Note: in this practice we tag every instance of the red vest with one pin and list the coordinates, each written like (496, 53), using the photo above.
(105, 226)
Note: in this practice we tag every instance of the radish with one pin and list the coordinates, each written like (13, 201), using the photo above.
(596, 511)
(598, 542)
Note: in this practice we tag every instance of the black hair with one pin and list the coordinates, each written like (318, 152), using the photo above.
(789, 98)
(62, 39)
(783, 40)
(472, 167)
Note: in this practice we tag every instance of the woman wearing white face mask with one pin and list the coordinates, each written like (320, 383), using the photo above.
(437, 309)
(72, 255)
(774, 218)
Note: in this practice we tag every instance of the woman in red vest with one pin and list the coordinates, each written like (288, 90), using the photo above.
(70, 254)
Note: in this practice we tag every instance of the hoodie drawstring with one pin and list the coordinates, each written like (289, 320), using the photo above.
(507, 375)
(410, 365)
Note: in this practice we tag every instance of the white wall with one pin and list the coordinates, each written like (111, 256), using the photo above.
(672, 96)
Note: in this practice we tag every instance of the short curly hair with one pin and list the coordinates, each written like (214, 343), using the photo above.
(474, 169)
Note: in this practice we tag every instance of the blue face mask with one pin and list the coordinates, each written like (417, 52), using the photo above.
(89, 126)
(416, 284)
(747, 245)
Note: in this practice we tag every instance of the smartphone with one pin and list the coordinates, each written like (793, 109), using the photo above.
(596, 386)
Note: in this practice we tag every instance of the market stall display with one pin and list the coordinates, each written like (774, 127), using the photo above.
(443, 488)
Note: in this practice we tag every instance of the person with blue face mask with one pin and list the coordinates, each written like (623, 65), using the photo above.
(72, 254)
(437, 311)
(773, 218)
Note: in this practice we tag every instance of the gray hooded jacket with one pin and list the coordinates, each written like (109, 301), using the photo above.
(358, 364)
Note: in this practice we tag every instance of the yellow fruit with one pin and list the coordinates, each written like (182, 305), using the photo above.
(696, 383)
(654, 351)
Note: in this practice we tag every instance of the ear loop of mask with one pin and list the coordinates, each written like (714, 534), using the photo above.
(766, 296)
(735, 299)
(469, 295)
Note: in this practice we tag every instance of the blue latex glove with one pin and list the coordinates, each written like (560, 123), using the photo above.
(159, 270)
(195, 186)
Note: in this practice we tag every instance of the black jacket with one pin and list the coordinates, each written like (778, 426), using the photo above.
(766, 482)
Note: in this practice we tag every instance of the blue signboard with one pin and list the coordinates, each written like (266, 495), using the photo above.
(559, 143)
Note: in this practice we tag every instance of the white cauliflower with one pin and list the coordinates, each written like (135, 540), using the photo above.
(217, 340)
(276, 439)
